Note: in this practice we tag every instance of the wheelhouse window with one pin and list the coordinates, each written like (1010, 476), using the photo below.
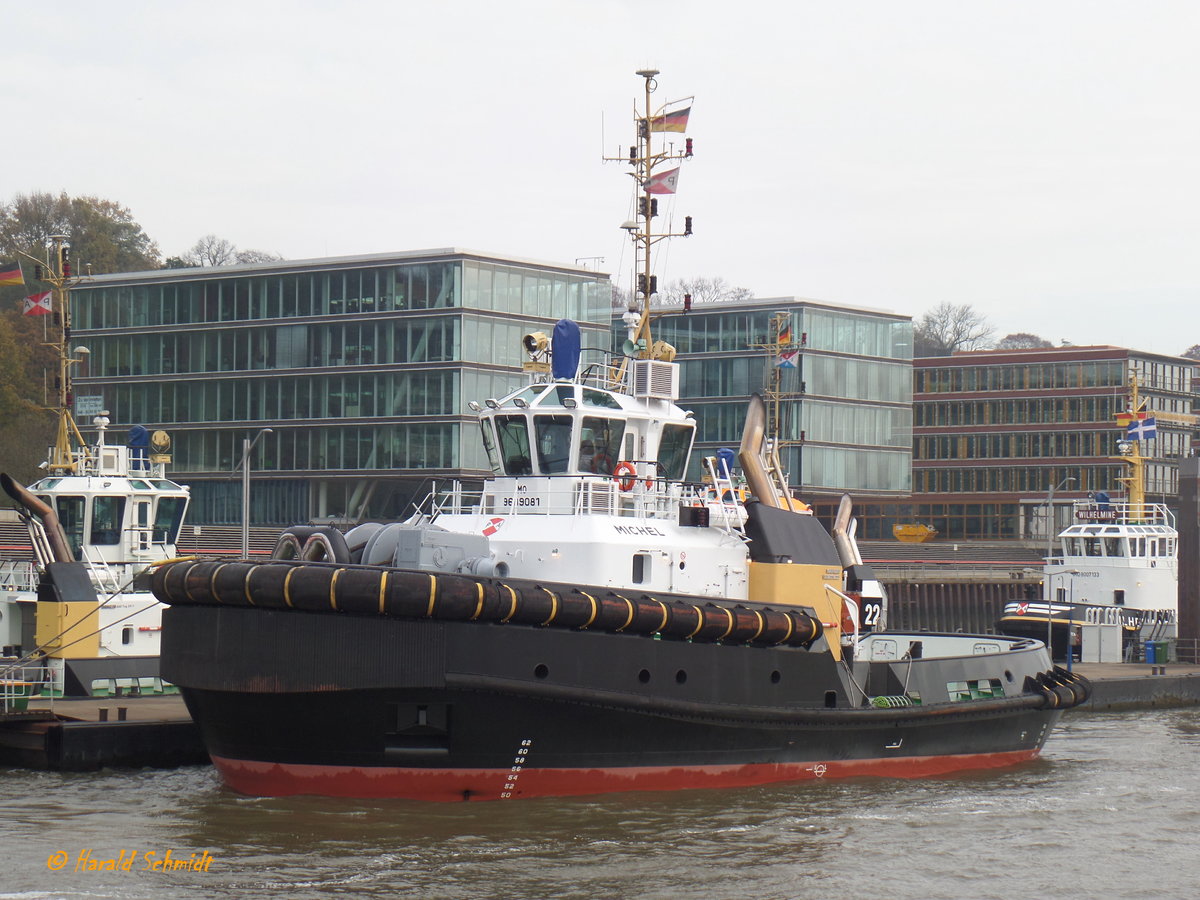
(168, 516)
(593, 397)
(673, 450)
(600, 444)
(107, 515)
(553, 443)
(558, 395)
(513, 434)
(70, 516)
(489, 445)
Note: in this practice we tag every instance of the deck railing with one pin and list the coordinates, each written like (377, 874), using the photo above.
(18, 575)
(647, 498)
(1089, 512)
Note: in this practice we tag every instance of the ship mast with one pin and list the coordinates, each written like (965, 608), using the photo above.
(1131, 455)
(1130, 447)
(55, 270)
(652, 178)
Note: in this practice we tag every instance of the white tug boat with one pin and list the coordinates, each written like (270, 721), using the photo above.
(589, 621)
(80, 616)
(1114, 579)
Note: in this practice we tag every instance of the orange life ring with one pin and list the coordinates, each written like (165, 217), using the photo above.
(626, 475)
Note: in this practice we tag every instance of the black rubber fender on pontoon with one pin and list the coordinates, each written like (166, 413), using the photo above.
(407, 593)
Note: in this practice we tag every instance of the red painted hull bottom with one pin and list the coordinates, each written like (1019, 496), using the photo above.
(263, 779)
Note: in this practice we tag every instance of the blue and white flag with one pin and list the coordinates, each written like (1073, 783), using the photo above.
(1141, 430)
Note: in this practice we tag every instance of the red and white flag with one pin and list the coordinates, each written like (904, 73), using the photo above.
(662, 184)
(38, 304)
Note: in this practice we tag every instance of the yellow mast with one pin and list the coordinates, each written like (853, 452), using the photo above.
(55, 270)
(1130, 449)
(1135, 480)
(781, 340)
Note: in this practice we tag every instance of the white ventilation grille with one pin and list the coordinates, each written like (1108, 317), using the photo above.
(655, 379)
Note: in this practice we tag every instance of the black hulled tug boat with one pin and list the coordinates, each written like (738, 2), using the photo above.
(589, 621)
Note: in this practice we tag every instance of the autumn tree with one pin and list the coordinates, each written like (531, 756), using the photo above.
(104, 238)
(1192, 352)
(26, 429)
(949, 327)
(103, 234)
(1022, 341)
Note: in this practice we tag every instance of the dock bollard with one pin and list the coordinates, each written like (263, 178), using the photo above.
(103, 713)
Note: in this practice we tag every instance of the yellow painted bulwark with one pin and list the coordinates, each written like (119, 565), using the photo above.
(69, 630)
(792, 584)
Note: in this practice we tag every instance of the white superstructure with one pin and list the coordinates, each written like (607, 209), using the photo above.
(1120, 560)
(119, 514)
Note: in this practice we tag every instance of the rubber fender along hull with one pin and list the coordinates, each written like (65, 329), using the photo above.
(377, 591)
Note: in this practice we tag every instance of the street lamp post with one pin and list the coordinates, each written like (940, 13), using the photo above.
(1050, 515)
(1049, 554)
(247, 446)
(1071, 620)
(1050, 590)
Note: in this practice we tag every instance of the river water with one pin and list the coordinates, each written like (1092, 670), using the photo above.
(1110, 810)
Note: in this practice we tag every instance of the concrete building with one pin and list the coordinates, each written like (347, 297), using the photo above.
(996, 432)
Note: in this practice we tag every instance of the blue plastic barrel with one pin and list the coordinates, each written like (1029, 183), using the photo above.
(1151, 655)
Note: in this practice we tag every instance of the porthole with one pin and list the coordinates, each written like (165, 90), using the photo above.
(776, 677)
(644, 676)
(541, 671)
(680, 677)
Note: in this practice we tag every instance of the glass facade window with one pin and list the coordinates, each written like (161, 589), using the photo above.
(850, 468)
(842, 408)
(1021, 376)
(1016, 445)
(853, 424)
(843, 331)
(358, 367)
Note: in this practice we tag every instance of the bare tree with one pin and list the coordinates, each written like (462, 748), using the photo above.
(622, 298)
(211, 250)
(1022, 340)
(949, 327)
(704, 291)
(257, 256)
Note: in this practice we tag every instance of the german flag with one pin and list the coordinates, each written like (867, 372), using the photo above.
(11, 274)
(672, 121)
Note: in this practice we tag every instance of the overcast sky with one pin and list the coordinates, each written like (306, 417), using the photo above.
(1037, 160)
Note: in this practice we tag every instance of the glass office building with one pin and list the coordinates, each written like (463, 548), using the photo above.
(361, 367)
(839, 386)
